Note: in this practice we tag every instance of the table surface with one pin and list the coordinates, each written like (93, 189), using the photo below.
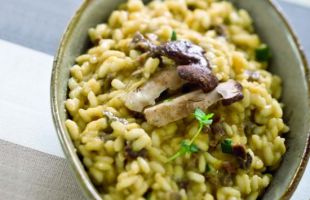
(32, 165)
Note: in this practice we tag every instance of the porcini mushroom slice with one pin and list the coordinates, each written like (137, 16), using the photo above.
(231, 91)
(146, 95)
(195, 73)
(182, 106)
(193, 66)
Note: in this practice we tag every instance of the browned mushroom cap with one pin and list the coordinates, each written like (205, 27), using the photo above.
(146, 95)
(193, 65)
(182, 106)
(239, 151)
(195, 73)
(244, 158)
(182, 52)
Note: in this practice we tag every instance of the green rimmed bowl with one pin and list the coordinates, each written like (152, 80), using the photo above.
(288, 62)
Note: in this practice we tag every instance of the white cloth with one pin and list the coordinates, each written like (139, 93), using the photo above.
(25, 117)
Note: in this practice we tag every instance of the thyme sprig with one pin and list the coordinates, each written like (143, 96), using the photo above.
(189, 146)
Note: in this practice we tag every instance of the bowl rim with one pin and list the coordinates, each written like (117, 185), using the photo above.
(305, 156)
(75, 164)
(70, 153)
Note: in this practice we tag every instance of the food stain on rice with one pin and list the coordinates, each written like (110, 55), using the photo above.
(125, 155)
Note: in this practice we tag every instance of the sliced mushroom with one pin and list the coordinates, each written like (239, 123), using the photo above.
(239, 151)
(244, 158)
(182, 52)
(181, 107)
(146, 95)
(193, 66)
(247, 162)
(195, 73)
(231, 92)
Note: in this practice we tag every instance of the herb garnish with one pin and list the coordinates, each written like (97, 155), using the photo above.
(262, 53)
(188, 146)
(226, 146)
(174, 36)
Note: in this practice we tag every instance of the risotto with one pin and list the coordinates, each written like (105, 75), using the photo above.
(174, 101)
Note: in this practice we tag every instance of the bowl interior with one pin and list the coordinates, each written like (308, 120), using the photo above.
(287, 62)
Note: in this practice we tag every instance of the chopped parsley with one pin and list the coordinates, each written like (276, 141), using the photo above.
(189, 146)
(174, 36)
(226, 146)
(262, 53)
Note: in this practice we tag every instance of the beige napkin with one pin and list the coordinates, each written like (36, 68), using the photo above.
(29, 174)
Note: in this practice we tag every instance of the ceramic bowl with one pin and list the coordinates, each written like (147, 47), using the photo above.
(288, 62)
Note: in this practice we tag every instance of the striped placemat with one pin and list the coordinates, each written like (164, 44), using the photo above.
(32, 165)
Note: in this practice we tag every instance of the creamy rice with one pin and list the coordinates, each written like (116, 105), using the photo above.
(129, 159)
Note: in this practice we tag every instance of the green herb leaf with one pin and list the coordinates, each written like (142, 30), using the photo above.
(193, 148)
(186, 147)
(184, 144)
(189, 146)
(226, 146)
(174, 36)
(203, 118)
(263, 53)
(199, 114)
